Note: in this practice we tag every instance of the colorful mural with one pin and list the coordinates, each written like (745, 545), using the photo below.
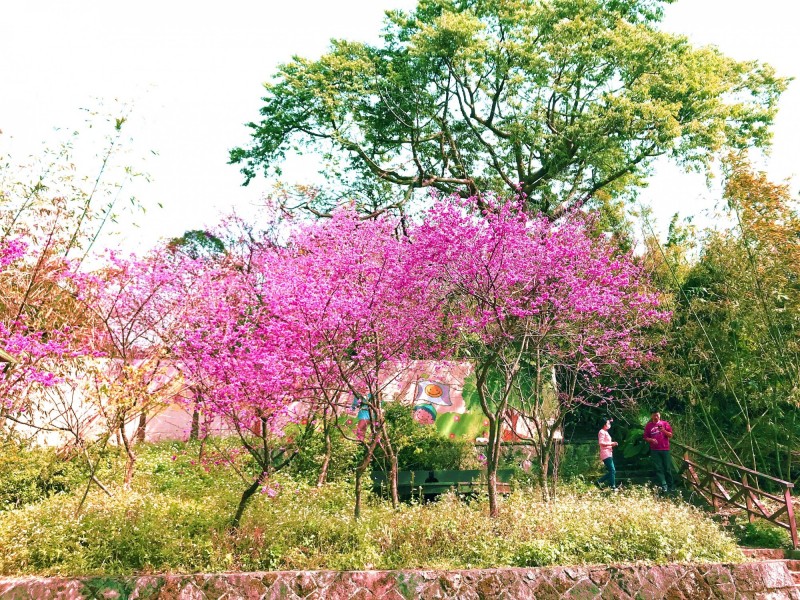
(443, 394)
(430, 395)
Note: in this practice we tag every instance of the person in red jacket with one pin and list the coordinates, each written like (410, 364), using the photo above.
(657, 433)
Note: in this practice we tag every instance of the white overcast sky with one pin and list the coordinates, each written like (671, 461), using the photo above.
(194, 72)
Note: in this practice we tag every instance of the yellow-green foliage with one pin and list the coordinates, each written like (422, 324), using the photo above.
(585, 527)
(30, 475)
(178, 516)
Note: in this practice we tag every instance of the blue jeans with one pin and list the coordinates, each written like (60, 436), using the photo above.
(611, 473)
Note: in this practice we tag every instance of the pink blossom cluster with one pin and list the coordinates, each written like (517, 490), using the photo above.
(39, 347)
(559, 287)
(344, 301)
(11, 251)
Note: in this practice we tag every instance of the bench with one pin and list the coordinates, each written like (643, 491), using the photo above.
(430, 484)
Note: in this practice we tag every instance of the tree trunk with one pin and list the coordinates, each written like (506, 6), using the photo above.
(492, 460)
(357, 508)
(194, 433)
(393, 481)
(494, 509)
(392, 456)
(248, 493)
(360, 470)
(130, 463)
(556, 453)
(92, 470)
(544, 463)
(141, 429)
(92, 479)
(326, 461)
(202, 452)
(789, 449)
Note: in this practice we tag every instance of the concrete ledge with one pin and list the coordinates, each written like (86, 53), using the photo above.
(766, 579)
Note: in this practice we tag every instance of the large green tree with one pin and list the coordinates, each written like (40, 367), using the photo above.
(561, 99)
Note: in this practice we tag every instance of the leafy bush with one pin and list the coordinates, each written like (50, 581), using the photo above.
(29, 475)
(579, 528)
(132, 532)
(760, 534)
(345, 455)
(430, 451)
(535, 553)
(178, 517)
(580, 461)
(418, 447)
(633, 445)
(422, 447)
(192, 469)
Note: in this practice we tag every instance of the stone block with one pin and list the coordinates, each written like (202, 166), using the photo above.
(583, 590)
(763, 580)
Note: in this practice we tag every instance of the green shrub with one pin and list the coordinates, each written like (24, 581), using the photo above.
(131, 532)
(632, 444)
(29, 474)
(312, 528)
(535, 553)
(580, 461)
(345, 455)
(760, 534)
(428, 451)
(422, 447)
(177, 520)
(181, 469)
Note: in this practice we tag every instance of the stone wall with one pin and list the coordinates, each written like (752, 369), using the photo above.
(767, 579)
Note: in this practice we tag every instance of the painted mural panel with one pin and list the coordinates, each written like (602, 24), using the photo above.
(443, 394)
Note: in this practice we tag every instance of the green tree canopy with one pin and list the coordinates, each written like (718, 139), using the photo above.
(197, 243)
(558, 98)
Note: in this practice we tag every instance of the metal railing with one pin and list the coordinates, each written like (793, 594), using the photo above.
(712, 478)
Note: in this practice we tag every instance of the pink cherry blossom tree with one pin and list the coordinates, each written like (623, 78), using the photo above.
(529, 298)
(137, 305)
(237, 344)
(40, 323)
(362, 310)
(52, 212)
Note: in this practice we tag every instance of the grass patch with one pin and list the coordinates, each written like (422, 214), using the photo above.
(176, 520)
(759, 534)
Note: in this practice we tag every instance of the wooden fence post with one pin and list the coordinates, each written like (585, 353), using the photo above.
(787, 494)
(713, 490)
(712, 483)
(748, 499)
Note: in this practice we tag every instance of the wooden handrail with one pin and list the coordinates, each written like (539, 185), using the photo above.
(733, 481)
(711, 488)
(783, 483)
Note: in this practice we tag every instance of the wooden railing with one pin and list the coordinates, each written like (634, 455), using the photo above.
(720, 482)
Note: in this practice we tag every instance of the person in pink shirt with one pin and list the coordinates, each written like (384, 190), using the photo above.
(657, 433)
(607, 455)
